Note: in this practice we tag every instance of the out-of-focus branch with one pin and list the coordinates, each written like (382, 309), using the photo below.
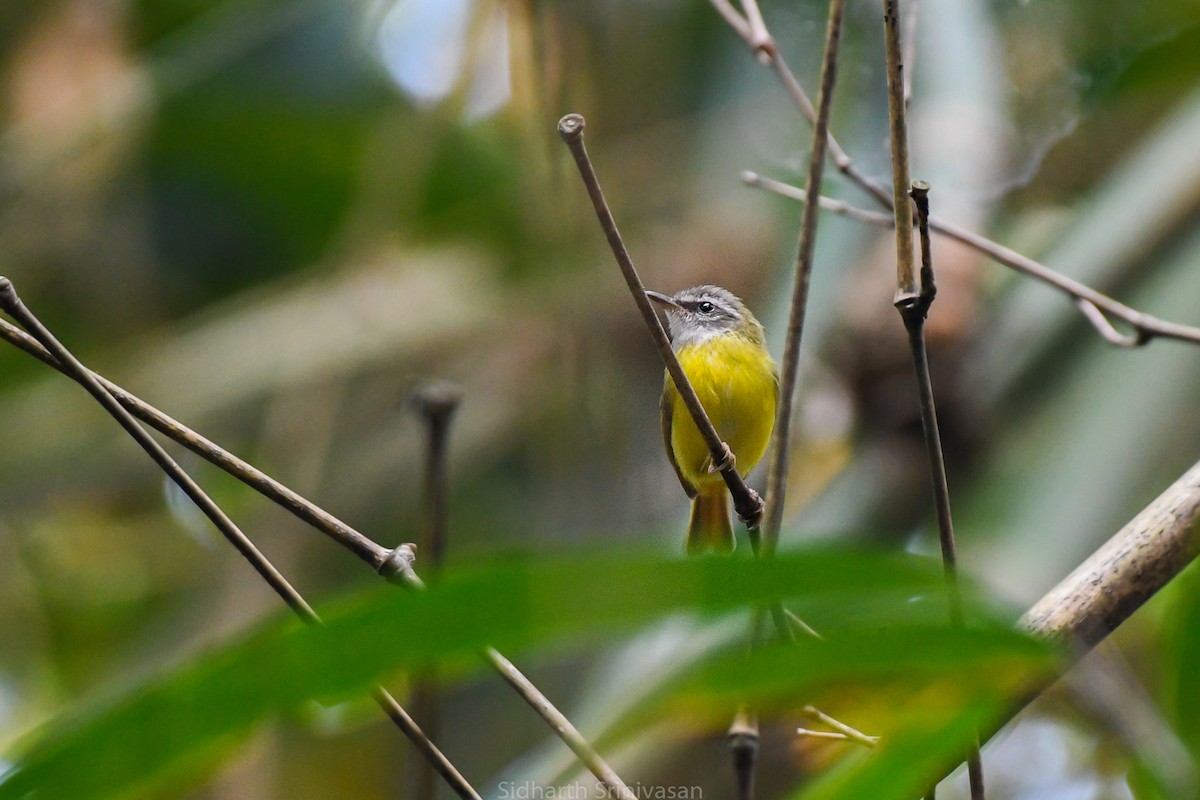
(435, 402)
(1119, 578)
(1125, 572)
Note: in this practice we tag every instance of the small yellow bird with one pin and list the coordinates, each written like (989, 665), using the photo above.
(722, 350)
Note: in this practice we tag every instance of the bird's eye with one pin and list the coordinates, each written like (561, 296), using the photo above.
(705, 307)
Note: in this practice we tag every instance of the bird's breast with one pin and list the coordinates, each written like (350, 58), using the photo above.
(735, 381)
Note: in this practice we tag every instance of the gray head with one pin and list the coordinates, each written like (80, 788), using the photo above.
(702, 312)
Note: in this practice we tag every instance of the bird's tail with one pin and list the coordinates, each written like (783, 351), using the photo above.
(709, 528)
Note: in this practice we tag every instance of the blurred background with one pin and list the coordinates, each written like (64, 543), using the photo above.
(274, 218)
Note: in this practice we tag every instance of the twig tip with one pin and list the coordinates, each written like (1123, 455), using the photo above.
(751, 178)
(436, 399)
(570, 128)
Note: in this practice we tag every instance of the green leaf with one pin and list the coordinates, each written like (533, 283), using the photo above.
(173, 723)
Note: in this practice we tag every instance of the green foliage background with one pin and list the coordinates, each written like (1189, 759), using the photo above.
(235, 210)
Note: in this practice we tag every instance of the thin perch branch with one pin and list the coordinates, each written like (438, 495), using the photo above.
(778, 468)
(843, 730)
(747, 502)
(71, 366)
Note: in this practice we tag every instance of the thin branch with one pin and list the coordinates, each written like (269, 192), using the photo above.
(1095, 305)
(747, 502)
(853, 734)
(436, 403)
(906, 278)
(423, 744)
(760, 37)
(778, 467)
(913, 300)
(913, 310)
(395, 565)
(400, 570)
(811, 734)
(14, 307)
(839, 207)
(562, 726)
(11, 303)
(743, 744)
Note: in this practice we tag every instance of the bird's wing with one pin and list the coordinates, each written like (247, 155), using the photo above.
(666, 408)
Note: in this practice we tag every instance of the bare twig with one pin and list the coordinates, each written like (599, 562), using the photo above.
(778, 467)
(906, 278)
(562, 726)
(1095, 306)
(760, 37)
(844, 730)
(743, 744)
(747, 502)
(913, 300)
(1125, 572)
(913, 310)
(435, 402)
(401, 571)
(12, 304)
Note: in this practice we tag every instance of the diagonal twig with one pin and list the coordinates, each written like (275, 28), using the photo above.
(747, 502)
(12, 304)
(400, 570)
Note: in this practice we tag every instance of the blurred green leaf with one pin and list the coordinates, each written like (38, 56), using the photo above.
(169, 723)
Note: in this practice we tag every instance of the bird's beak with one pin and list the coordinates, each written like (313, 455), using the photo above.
(662, 299)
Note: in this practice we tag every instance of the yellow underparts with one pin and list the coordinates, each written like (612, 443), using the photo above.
(735, 381)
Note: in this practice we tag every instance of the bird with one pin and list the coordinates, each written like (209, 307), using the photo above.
(722, 349)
